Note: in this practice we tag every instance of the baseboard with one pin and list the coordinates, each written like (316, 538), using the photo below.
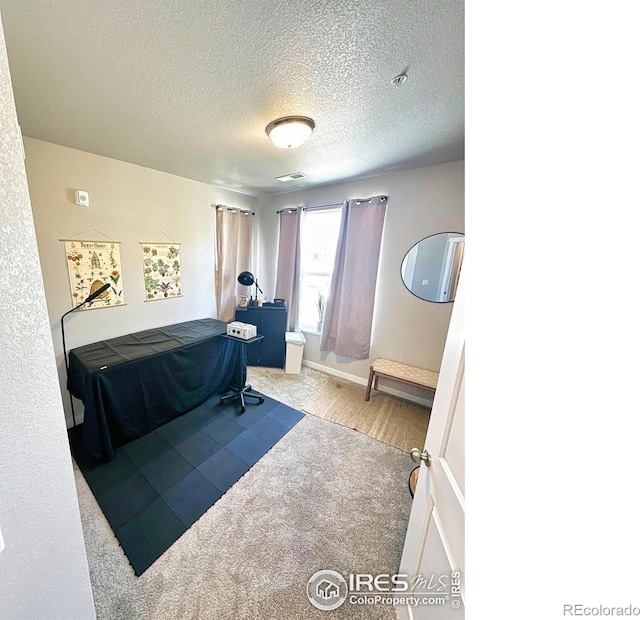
(336, 373)
(425, 402)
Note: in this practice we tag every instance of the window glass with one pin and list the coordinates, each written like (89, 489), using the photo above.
(320, 231)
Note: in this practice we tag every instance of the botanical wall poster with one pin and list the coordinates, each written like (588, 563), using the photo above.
(161, 262)
(92, 264)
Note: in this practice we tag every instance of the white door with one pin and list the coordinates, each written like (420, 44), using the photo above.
(433, 555)
(453, 256)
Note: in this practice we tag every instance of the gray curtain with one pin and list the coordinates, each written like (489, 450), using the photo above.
(233, 255)
(349, 315)
(288, 272)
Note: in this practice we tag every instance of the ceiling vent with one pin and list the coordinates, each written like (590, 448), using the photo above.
(291, 177)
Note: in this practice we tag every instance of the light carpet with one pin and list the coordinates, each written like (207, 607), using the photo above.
(394, 421)
(323, 498)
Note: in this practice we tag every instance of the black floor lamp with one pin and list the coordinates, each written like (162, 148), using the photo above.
(89, 299)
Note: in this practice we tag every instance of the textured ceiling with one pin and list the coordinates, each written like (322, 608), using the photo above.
(188, 86)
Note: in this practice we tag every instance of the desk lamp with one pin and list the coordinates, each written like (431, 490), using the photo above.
(247, 279)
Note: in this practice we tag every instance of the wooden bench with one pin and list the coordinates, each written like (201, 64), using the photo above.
(400, 372)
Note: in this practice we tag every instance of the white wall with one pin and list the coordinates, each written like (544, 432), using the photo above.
(421, 203)
(43, 569)
(129, 204)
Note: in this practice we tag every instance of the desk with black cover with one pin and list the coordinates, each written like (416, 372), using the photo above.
(135, 383)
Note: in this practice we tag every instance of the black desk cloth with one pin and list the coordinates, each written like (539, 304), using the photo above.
(135, 383)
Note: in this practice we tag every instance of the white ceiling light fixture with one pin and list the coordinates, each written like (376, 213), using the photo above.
(290, 131)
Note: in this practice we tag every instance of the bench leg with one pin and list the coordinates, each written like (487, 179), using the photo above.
(371, 374)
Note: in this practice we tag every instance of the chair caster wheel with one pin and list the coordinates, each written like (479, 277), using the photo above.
(243, 409)
(261, 400)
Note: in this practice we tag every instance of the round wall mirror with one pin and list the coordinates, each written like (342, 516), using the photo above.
(431, 268)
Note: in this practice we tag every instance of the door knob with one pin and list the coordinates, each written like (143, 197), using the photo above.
(417, 456)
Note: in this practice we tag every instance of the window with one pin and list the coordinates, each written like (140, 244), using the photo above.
(320, 230)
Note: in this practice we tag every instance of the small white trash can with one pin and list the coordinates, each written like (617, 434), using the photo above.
(295, 347)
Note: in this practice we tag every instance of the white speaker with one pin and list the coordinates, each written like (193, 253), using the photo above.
(82, 198)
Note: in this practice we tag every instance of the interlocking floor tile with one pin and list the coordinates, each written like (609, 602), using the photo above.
(146, 448)
(126, 499)
(198, 448)
(248, 447)
(166, 470)
(223, 429)
(157, 486)
(103, 476)
(177, 430)
(149, 534)
(191, 497)
(287, 416)
(269, 429)
(223, 469)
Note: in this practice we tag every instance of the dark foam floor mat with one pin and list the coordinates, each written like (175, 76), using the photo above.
(157, 486)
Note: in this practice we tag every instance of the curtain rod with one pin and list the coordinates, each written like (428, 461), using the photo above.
(291, 209)
(232, 209)
(336, 204)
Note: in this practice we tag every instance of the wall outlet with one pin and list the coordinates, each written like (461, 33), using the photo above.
(82, 198)
(425, 282)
